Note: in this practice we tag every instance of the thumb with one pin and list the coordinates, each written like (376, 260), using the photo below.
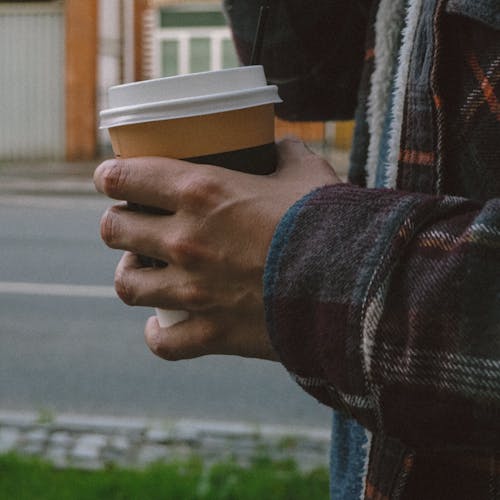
(177, 341)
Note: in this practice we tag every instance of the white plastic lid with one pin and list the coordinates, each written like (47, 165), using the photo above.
(168, 318)
(188, 95)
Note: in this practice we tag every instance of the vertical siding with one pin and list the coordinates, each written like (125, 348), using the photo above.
(31, 83)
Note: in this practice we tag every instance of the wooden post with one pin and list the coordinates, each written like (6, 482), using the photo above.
(343, 135)
(81, 72)
(307, 131)
(139, 7)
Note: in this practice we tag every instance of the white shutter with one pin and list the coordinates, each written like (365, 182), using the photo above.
(32, 81)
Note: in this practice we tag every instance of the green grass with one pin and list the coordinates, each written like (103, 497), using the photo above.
(31, 479)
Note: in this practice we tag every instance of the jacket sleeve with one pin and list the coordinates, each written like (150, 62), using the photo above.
(386, 305)
(313, 51)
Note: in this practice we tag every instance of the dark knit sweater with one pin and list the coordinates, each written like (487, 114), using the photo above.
(385, 304)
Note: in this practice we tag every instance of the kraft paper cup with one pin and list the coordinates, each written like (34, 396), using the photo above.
(223, 118)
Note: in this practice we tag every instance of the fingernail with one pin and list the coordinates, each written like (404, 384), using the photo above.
(100, 173)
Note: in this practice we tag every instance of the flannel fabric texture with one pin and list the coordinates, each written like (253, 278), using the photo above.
(385, 304)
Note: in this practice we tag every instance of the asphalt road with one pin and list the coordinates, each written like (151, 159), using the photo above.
(77, 348)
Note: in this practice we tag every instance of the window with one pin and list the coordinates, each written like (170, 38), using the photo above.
(192, 38)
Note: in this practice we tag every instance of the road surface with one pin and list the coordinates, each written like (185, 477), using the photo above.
(67, 344)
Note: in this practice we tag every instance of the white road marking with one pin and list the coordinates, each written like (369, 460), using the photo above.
(57, 290)
(78, 202)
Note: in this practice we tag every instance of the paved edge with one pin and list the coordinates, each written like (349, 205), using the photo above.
(95, 441)
(74, 179)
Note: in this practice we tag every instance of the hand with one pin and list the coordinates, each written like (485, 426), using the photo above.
(214, 233)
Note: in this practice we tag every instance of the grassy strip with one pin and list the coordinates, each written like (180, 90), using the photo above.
(27, 479)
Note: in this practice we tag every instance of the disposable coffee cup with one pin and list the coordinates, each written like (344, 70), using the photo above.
(223, 118)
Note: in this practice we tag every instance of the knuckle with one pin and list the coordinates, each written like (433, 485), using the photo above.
(110, 228)
(196, 297)
(124, 288)
(201, 189)
(185, 251)
(114, 178)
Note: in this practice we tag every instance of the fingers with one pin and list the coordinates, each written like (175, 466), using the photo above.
(201, 335)
(167, 288)
(167, 184)
(137, 232)
(213, 331)
(170, 238)
(178, 341)
(146, 181)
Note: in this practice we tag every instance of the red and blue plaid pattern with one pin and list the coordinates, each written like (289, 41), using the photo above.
(384, 304)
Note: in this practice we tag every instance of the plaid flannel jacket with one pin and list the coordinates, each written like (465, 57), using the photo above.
(385, 304)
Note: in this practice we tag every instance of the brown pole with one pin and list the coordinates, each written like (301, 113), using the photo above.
(81, 73)
(139, 7)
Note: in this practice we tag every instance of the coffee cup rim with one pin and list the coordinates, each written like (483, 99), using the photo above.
(189, 106)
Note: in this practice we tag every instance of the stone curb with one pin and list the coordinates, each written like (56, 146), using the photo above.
(94, 442)
(45, 178)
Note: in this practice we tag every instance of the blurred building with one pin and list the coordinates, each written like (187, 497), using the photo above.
(58, 57)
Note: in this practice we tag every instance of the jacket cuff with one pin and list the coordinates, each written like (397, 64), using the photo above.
(322, 258)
